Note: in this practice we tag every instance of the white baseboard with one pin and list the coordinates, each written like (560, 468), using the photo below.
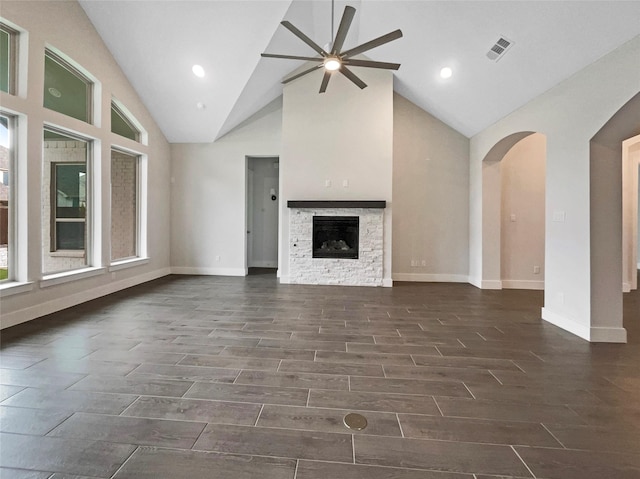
(284, 280)
(608, 335)
(485, 283)
(431, 278)
(580, 330)
(491, 284)
(208, 271)
(474, 281)
(58, 304)
(626, 287)
(522, 284)
(387, 283)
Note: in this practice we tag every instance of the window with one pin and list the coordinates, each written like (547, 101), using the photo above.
(6, 201)
(66, 90)
(8, 54)
(122, 125)
(66, 204)
(124, 205)
(69, 181)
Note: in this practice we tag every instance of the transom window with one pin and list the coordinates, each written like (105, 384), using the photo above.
(122, 125)
(66, 90)
(8, 55)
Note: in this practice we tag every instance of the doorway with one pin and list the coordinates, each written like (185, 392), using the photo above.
(262, 201)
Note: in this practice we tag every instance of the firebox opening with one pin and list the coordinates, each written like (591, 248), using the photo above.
(335, 236)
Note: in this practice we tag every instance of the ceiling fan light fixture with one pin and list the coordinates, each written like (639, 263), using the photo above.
(332, 64)
(335, 59)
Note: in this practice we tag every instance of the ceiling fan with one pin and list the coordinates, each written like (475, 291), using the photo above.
(335, 59)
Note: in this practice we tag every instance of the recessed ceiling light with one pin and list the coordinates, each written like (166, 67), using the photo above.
(446, 72)
(200, 106)
(54, 92)
(198, 71)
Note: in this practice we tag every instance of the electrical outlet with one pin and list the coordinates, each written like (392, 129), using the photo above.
(217, 258)
(327, 183)
(414, 262)
(536, 270)
(424, 262)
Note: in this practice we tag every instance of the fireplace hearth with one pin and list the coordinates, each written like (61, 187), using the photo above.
(335, 237)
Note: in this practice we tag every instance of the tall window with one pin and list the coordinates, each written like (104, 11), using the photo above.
(66, 176)
(124, 205)
(6, 201)
(66, 90)
(8, 55)
(122, 125)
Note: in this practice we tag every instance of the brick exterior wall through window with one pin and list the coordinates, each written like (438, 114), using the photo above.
(124, 209)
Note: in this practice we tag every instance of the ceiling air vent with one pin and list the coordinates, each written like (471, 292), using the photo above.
(498, 50)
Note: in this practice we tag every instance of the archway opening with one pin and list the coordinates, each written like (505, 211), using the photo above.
(606, 219)
(522, 225)
(513, 212)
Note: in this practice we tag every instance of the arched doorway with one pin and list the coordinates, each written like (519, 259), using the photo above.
(509, 215)
(522, 225)
(606, 219)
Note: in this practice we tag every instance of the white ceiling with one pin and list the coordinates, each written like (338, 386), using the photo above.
(156, 42)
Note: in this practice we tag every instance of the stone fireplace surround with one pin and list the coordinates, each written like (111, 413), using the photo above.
(367, 270)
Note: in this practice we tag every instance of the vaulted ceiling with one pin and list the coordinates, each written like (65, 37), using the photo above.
(156, 42)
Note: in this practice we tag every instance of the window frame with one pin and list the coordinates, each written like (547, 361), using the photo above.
(88, 250)
(120, 111)
(139, 247)
(77, 72)
(13, 57)
(12, 234)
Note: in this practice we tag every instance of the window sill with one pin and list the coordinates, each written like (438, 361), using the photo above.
(67, 253)
(128, 263)
(14, 287)
(68, 276)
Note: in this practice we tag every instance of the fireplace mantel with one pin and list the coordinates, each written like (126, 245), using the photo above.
(336, 204)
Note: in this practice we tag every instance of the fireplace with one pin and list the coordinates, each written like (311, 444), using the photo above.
(352, 232)
(335, 237)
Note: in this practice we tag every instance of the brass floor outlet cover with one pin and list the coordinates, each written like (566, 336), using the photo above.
(355, 421)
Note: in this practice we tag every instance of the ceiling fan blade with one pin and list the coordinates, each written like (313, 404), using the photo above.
(292, 57)
(291, 78)
(303, 37)
(372, 64)
(376, 42)
(325, 81)
(351, 76)
(343, 29)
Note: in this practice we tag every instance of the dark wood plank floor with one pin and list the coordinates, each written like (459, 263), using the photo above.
(240, 378)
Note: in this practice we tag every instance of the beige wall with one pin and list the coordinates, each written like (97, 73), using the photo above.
(430, 197)
(431, 200)
(64, 26)
(522, 214)
(569, 115)
(345, 134)
(208, 229)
